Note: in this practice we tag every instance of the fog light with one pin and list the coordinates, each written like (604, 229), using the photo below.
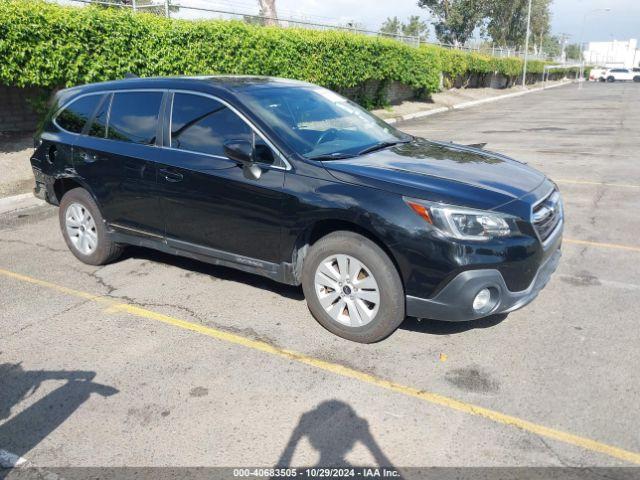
(482, 303)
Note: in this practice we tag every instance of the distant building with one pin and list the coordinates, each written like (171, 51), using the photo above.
(615, 53)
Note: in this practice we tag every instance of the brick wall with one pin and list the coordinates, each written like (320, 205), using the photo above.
(16, 113)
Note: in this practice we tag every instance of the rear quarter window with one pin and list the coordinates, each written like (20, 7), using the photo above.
(74, 117)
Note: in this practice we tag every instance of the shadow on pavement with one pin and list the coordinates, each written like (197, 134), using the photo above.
(222, 273)
(24, 431)
(333, 428)
(437, 327)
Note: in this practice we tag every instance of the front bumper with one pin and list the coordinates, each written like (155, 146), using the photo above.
(453, 302)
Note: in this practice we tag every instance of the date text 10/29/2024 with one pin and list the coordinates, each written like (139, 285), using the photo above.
(317, 472)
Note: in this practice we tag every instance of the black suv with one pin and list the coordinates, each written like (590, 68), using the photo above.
(291, 181)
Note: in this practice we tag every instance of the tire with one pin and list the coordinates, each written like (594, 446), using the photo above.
(636, 78)
(611, 79)
(79, 213)
(351, 311)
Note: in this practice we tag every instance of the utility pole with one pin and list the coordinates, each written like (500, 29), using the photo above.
(526, 47)
(563, 45)
(166, 8)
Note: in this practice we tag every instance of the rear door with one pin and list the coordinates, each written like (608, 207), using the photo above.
(627, 73)
(116, 157)
(54, 155)
(210, 206)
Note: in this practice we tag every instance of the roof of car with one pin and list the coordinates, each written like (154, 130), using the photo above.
(226, 82)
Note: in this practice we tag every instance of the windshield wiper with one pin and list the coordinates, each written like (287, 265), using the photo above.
(381, 145)
(332, 156)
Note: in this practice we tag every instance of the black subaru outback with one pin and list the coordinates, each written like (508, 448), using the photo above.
(292, 181)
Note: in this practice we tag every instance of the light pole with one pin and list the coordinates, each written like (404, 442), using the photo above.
(526, 47)
(584, 20)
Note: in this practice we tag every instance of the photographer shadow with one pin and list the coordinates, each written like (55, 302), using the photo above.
(333, 428)
(24, 431)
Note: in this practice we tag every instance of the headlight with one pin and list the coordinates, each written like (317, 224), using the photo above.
(464, 223)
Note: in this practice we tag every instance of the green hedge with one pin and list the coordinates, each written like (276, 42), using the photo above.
(50, 46)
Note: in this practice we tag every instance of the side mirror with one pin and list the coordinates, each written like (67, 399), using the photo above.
(242, 152)
(239, 150)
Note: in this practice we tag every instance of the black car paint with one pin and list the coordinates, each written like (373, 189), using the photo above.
(207, 208)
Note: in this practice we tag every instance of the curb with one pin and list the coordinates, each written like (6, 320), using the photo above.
(19, 202)
(471, 103)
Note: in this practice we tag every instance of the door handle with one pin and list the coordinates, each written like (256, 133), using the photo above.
(171, 176)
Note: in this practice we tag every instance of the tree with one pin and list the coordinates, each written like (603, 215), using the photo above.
(268, 11)
(552, 46)
(573, 51)
(256, 19)
(540, 22)
(415, 28)
(507, 22)
(456, 20)
(391, 26)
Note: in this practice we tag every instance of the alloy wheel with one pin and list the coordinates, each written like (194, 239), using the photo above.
(81, 228)
(347, 290)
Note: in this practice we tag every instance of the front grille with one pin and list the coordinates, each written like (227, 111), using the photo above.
(547, 214)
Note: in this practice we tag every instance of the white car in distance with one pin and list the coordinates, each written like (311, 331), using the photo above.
(620, 74)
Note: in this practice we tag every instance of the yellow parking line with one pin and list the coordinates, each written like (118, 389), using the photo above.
(602, 245)
(433, 398)
(605, 184)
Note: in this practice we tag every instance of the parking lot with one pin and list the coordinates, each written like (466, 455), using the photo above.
(162, 361)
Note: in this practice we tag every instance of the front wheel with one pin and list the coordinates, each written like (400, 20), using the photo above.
(352, 287)
(611, 79)
(636, 78)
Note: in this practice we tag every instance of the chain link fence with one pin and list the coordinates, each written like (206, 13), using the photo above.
(176, 9)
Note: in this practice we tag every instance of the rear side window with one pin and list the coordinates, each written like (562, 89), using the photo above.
(75, 116)
(134, 117)
(201, 124)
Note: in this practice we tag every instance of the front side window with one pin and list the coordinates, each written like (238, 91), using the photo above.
(200, 124)
(75, 116)
(134, 117)
(318, 123)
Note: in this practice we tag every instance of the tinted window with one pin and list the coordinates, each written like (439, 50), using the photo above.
(134, 117)
(98, 127)
(201, 124)
(76, 115)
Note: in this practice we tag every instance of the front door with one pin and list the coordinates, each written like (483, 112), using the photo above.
(210, 206)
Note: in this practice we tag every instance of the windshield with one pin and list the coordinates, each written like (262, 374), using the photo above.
(318, 123)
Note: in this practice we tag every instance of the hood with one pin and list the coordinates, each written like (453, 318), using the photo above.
(441, 171)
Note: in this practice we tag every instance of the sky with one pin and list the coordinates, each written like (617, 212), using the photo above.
(620, 23)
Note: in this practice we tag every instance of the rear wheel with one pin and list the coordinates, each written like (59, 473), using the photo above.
(352, 287)
(636, 78)
(611, 79)
(84, 230)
